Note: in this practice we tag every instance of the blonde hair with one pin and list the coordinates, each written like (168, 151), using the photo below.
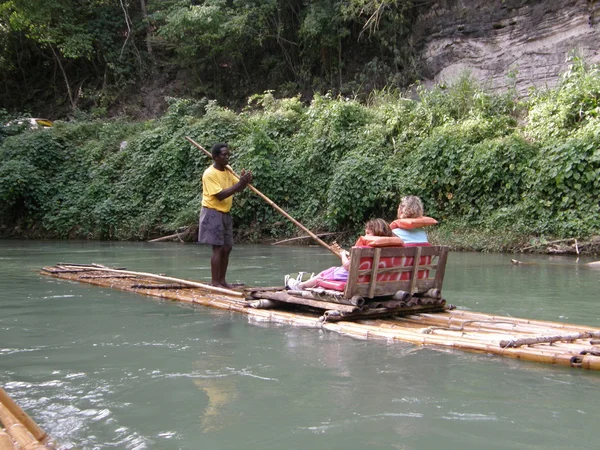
(379, 227)
(410, 206)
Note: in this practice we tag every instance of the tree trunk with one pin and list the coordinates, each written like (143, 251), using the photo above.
(62, 69)
(148, 28)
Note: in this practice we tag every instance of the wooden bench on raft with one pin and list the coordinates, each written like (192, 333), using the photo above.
(381, 282)
(377, 272)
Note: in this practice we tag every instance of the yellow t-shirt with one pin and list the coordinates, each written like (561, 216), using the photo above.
(213, 182)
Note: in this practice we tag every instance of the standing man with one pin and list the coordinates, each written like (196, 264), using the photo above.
(216, 225)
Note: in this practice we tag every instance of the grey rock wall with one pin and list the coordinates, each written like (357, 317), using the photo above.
(494, 39)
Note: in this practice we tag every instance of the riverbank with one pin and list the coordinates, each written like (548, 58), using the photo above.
(463, 240)
(476, 240)
(498, 241)
(498, 173)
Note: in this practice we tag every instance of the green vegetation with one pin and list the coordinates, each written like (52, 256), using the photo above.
(495, 171)
(60, 56)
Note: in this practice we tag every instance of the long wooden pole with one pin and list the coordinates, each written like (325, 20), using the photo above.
(82, 268)
(333, 250)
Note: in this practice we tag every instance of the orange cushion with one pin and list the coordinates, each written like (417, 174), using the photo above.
(412, 223)
(379, 241)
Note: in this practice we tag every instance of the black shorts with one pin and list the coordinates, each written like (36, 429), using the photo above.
(215, 227)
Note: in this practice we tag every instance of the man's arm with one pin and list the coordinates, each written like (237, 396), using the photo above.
(245, 179)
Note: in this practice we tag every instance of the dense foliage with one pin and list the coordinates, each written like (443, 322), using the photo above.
(480, 161)
(58, 56)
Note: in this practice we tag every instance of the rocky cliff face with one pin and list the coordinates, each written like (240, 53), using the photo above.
(504, 42)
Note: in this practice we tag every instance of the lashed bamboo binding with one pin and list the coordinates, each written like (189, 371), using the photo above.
(556, 343)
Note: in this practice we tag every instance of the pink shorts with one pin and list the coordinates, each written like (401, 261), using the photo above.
(335, 273)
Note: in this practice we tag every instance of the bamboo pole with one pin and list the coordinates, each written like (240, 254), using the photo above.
(22, 416)
(286, 298)
(298, 238)
(167, 238)
(375, 313)
(18, 432)
(332, 249)
(475, 315)
(312, 295)
(479, 323)
(159, 277)
(548, 339)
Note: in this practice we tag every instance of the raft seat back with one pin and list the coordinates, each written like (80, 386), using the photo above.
(376, 272)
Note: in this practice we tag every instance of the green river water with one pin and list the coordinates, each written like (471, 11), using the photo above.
(102, 369)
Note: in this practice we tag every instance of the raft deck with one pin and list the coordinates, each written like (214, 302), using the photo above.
(531, 340)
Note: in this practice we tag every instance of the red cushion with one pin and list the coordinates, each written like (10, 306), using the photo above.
(399, 261)
(367, 262)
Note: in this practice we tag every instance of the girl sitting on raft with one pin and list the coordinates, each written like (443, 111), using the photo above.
(411, 221)
(377, 233)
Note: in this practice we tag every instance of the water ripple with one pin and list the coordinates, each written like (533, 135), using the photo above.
(10, 351)
(470, 416)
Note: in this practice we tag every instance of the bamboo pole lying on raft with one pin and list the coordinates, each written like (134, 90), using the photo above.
(160, 277)
(22, 416)
(83, 277)
(481, 328)
(548, 339)
(336, 316)
(478, 324)
(286, 298)
(457, 315)
(354, 301)
(161, 286)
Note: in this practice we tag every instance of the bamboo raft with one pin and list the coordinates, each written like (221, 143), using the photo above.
(18, 430)
(423, 320)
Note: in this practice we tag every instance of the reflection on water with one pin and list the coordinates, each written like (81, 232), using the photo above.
(220, 393)
(98, 368)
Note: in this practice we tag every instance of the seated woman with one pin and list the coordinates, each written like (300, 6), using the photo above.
(377, 234)
(411, 221)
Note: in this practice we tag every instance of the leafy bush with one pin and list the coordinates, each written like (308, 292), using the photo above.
(556, 113)
(565, 186)
(332, 165)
